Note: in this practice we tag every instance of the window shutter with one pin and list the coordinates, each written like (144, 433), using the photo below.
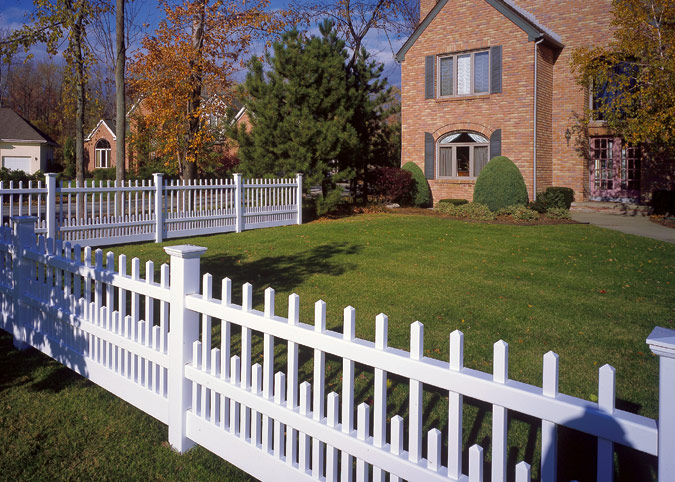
(496, 69)
(429, 155)
(429, 77)
(496, 143)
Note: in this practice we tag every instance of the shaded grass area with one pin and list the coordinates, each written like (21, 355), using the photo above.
(590, 295)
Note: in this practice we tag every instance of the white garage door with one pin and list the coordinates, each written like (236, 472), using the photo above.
(22, 163)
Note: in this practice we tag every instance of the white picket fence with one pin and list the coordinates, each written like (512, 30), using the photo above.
(111, 213)
(152, 344)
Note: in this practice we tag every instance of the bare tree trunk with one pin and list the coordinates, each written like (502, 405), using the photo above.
(78, 38)
(120, 62)
(190, 171)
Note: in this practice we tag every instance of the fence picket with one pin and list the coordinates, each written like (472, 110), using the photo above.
(455, 408)
(549, 438)
(348, 334)
(319, 385)
(500, 374)
(415, 395)
(606, 402)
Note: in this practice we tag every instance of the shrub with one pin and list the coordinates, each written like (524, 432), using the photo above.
(548, 200)
(329, 203)
(518, 212)
(476, 211)
(106, 174)
(558, 213)
(17, 175)
(422, 193)
(456, 202)
(500, 184)
(392, 185)
(663, 202)
(567, 194)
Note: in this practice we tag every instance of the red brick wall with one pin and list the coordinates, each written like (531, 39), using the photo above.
(474, 24)
(579, 23)
(90, 147)
(511, 111)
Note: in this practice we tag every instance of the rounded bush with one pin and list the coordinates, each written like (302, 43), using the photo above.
(500, 184)
(422, 196)
(392, 185)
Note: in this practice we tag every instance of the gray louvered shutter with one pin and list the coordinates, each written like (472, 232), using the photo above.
(496, 69)
(429, 77)
(429, 155)
(496, 143)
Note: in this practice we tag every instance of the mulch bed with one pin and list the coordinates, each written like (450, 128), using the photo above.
(667, 222)
(543, 220)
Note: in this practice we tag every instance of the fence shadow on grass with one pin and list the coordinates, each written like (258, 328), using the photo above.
(283, 273)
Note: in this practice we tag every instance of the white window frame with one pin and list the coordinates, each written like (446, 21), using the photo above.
(454, 57)
(102, 155)
(453, 159)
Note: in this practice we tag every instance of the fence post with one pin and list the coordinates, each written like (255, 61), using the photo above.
(159, 207)
(238, 208)
(661, 342)
(23, 237)
(50, 179)
(184, 279)
(299, 200)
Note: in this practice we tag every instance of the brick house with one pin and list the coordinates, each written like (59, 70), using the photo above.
(100, 145)
(482, 78)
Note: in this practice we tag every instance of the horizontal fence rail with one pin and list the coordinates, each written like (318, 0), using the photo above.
(206, 367)
(115, 213)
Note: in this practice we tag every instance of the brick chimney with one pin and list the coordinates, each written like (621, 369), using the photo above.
(425, 7)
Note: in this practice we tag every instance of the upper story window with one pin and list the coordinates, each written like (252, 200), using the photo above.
(611, 94)
(462, 154)
(102, 154)
(463, 74)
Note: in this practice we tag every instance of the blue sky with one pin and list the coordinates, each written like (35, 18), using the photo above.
(12, 13)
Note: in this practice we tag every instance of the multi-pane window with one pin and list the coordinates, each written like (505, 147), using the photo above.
(464, 74)
(462, 154)
(615, 167)
(102, 154)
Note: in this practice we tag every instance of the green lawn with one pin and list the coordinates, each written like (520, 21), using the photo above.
(590, 295)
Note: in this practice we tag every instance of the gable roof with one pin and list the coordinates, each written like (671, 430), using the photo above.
(13, 127)
(518, 15)
(108, 123)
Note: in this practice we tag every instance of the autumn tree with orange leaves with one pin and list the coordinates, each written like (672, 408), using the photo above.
(194, 51)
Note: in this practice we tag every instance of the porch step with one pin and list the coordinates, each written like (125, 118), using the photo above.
(619, 209)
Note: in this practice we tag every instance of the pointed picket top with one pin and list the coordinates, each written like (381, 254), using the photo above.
(98, 256)
(397, 435)
(434, 449)
(109, 258)
(381, 331)
(305, 398)
(523, 472)
(500, 364)
(207, 286)
(320, 316)
(551, 374)
(269, 302)
(607, 388)
(456, 350)
(349, 326)
(87, 252)
(476, 463)
(247, 297)
(135, 268)
(226, 292)
(256, 378)
(122, 261)
(333, 404)
(417, 340)
(149, 272)
(293, 309)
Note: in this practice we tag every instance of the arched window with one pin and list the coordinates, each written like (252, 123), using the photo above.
(462, 154)
(102, 154)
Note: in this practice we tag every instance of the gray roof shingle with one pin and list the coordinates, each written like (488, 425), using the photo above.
(13, 127)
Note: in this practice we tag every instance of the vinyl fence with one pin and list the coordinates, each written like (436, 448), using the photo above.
(112, 213)
(151, 342)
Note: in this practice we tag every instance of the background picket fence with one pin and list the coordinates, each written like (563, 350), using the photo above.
(113, 213)
(152, 344)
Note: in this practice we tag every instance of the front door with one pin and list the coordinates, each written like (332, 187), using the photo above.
(614, 170)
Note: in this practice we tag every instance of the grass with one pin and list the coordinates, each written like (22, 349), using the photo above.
(590, 295)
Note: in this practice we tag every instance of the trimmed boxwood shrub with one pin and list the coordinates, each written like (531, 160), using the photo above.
(476, 211)
(518, 212)
(392, 185)
(454, 202)
(663, 202)
(547, 200)
(566, 192)
(500, 184)
(422, 194)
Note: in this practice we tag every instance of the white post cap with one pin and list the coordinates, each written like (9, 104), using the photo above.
(661, 342)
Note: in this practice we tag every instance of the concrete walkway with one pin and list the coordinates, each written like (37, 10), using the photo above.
(638, 225)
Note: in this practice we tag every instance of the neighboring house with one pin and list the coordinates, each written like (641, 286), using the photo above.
(482, 78)
(22, 145)
(99, 145)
